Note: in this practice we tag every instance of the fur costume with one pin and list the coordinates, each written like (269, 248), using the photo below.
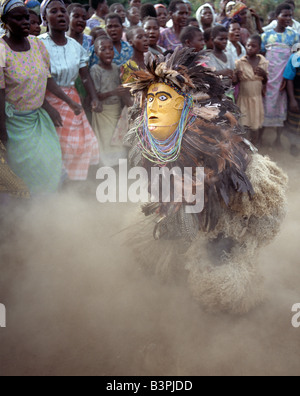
(245, 194)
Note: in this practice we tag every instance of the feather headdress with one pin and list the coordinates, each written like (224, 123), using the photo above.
(213, 140)
(182, 70)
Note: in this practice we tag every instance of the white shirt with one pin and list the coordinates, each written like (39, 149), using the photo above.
(273, 25)
(232, 52)
(66, 60)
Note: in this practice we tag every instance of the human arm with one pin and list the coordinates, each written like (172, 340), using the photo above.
(53, 114)
(90, 88)
(58, 92)
(257, 20)
(225, 73)
(3, 131)
(293, 104)
(262, 73)
(120, 91)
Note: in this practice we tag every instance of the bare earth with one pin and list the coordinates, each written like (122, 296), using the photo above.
(77, 304)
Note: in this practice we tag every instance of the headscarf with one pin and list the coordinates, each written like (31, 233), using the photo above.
(157, 6)
(44, 7)
(33, 5)
(237, 8)
(9, 5)
(199, 15)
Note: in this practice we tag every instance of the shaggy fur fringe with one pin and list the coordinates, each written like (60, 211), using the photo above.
(232, 284)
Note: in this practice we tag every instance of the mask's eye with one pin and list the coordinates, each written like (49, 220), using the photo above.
(150, 99)
(163, 98)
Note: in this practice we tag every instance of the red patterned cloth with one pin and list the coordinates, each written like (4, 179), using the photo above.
(78, 142)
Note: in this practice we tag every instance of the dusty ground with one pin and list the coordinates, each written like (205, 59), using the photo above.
(77, 305)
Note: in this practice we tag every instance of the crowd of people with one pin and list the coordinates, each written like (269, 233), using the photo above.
(63, 66)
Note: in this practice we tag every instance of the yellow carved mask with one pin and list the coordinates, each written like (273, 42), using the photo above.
(164, 108)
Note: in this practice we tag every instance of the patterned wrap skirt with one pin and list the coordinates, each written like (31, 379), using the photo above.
(33, 149)
(78, 142)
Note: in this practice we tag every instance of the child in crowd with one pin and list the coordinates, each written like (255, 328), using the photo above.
(234, 48)
(106, 77)
(222, 63)
(133, 16)
(35, 22)
(151, 27)
(252, 74)
(209, 43)
(192, 37)
(97, 32)
(77, 25)
(139, 41)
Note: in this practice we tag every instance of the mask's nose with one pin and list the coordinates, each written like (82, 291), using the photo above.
(153, 107)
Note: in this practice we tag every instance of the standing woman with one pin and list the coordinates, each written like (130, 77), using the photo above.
(277, 45)
(170, 38)
(33, 148)
(68, 60)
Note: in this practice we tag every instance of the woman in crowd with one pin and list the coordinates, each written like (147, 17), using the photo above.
(170, 38)
(238, 12)
(151, 27)
(33, 148)
(114, 29)
(68, 60)
(234, 48)
(206, 17)
(162, 15)
(277, 44)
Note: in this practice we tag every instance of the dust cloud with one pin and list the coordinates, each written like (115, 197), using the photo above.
(77, 303)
